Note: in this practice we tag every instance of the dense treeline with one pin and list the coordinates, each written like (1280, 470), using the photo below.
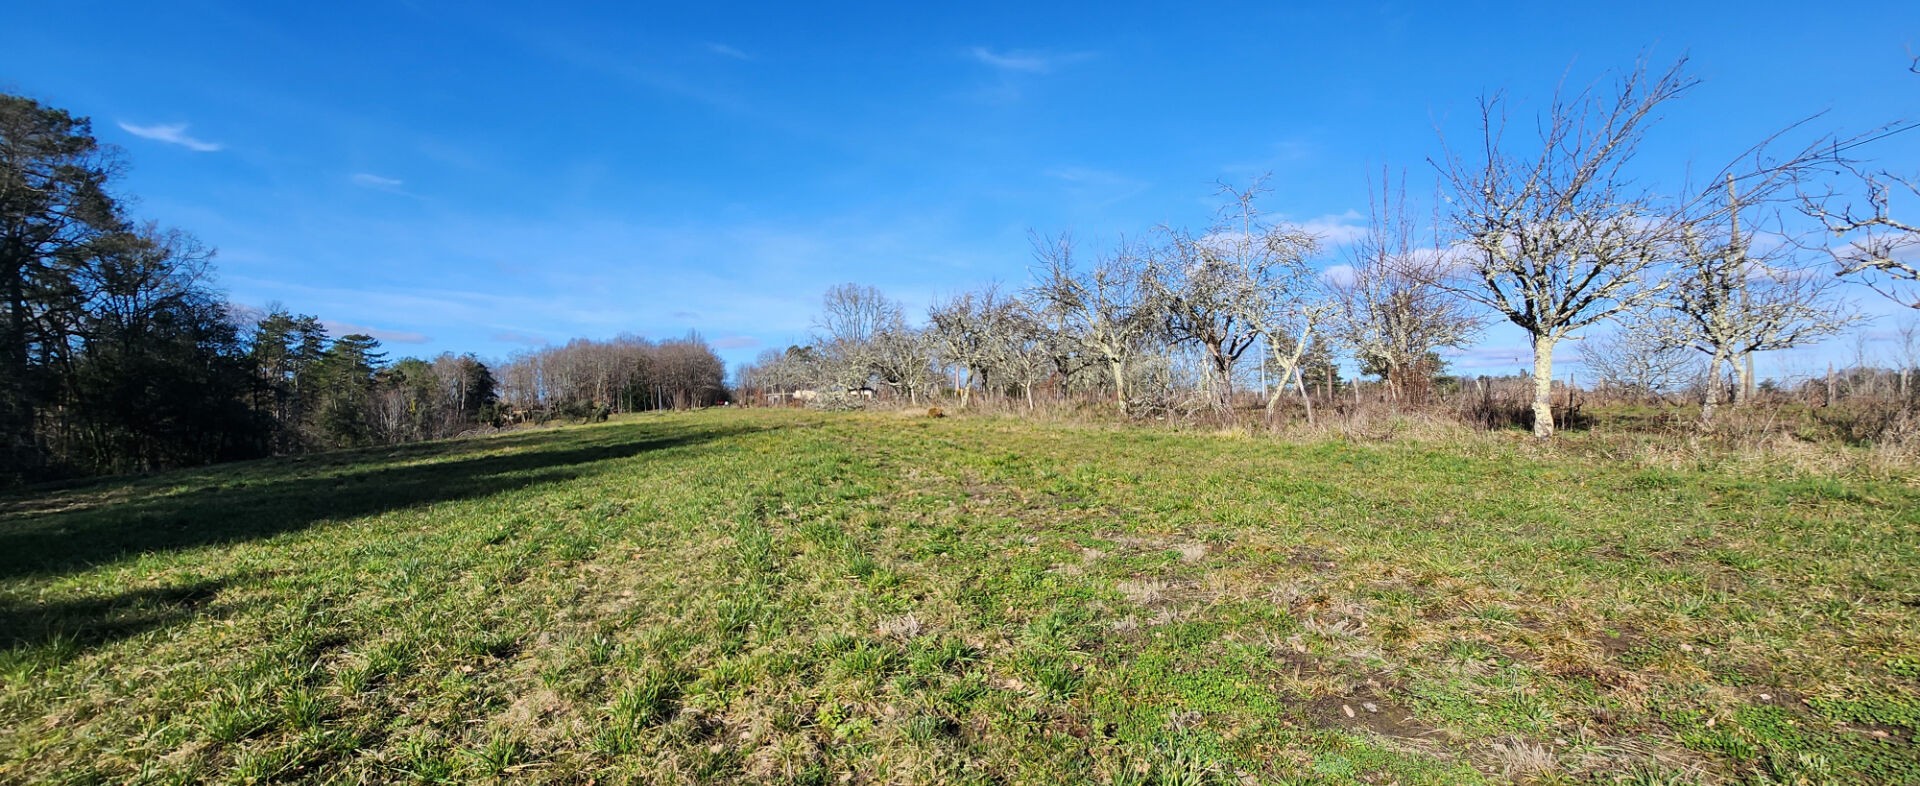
(319, 393)
(117, 353)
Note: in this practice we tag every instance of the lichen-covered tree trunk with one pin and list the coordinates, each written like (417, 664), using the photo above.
(1711, 405)
(1222, 367)
(1743, 378)
(1543, 386)
(1300, 382)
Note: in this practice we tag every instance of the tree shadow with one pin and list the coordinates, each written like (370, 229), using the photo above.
(262, 499)
(65, 628)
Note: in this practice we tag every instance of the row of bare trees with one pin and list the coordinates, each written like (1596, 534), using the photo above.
(1556, 232)
(625, 374)
(1165, 322)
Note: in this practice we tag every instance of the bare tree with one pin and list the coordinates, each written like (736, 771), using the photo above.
(902, 359)
(1243, 280)
(1388, 310)
(1024, 347)
(1107, 307)
(1731, 298)
(1558, 238)
(852, 317)
(969, 331)
(1877, 249)
(1640, 356)
(778, 373)
(1283, 301)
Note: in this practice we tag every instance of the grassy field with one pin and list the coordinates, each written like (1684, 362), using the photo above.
(778, 596)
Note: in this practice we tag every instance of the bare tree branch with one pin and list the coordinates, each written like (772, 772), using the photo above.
(1558, 240)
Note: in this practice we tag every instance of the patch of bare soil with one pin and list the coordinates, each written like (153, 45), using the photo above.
(1190, 550)
(1317, 559)
(1297, 663)
(1364, 709)
(1616, 645)
(1775, 697)
(1604, 675)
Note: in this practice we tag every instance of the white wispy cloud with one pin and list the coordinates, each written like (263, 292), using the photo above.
(1025, 61)
(1089, 176)
(389, 336)
(369, 180)
(1337, 230)
(1337, 275)
(623, 66)
(727, 51)
(172, 134)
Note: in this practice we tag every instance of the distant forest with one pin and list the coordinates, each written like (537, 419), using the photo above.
(118, 354)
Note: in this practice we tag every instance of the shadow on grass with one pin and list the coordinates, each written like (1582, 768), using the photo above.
(76, 625)
(263, 499)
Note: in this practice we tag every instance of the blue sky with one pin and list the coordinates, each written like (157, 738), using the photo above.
(476, 177)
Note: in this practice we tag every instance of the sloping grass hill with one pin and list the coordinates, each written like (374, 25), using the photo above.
(785, 597)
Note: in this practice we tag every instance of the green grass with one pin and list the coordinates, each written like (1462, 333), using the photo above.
(776, 596)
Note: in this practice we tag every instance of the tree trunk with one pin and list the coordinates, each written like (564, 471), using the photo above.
(1743, 380)
(1543, 386)
(1289, 371)
(1300, 380)
(17, 416)
(1711, 404)
(1119, 368)
(1223, 376)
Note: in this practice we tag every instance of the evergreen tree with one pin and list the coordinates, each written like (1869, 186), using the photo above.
(342, 386)
(53, 207)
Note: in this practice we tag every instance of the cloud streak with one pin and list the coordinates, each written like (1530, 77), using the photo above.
(1023, 61)
(368, 180)
(1337, 230)
(729, 52)
(389, 336)
(172, 134)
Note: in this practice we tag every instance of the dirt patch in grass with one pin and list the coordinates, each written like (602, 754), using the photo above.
(1605, 676)
(1316, 559)
(1623, 640)
(1297, 663)
(1190, 550)
(1365, 710)
(1775, 697)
